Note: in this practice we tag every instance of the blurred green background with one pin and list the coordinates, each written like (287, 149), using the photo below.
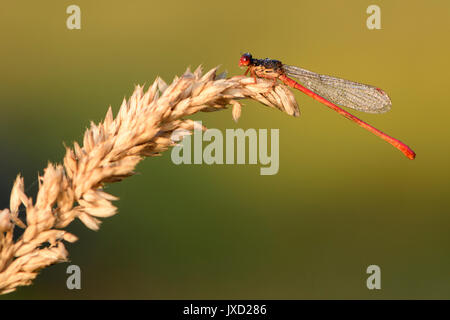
(343, 199)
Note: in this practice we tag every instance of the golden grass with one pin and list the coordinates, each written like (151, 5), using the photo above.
(110, 152)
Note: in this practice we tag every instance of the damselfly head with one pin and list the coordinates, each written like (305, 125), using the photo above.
(245, 60)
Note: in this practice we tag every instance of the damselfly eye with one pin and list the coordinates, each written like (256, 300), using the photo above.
(245, 60)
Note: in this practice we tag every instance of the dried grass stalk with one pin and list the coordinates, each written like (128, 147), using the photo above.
(110, 152)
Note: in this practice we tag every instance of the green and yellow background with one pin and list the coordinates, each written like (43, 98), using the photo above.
(343, 199)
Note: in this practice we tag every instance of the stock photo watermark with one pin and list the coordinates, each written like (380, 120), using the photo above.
(215, 147)
(373, 22)
(74, 280)
(74, 19)
(374, 280)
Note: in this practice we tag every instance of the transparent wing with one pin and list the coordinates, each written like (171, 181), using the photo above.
(343, 92)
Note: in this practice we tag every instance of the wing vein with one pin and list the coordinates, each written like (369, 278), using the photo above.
(343, 92)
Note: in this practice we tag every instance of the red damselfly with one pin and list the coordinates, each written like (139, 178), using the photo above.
(328, 90)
